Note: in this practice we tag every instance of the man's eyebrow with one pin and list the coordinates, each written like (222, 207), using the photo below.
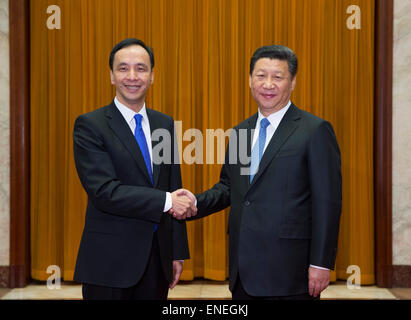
(265, 70)
(126, 64)
(260, 70)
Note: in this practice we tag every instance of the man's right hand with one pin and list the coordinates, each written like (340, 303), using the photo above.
(183, 204)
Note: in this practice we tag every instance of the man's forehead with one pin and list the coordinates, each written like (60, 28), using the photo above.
(275, 65)
(134, 51)
(266, 60)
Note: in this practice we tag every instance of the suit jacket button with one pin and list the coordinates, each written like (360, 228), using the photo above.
(247, 203)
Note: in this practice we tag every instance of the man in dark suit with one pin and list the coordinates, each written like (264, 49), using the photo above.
(130, 248)
(284, 218)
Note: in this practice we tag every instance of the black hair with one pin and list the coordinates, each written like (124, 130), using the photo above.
(127, 43)
(276, 52)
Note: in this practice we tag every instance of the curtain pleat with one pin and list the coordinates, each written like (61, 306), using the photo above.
(202, 51)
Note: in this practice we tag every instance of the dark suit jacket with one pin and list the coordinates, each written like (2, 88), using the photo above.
(288, 217)
(123, 206)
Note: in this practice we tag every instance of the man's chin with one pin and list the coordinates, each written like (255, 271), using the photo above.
(131, 100)
(271, 108)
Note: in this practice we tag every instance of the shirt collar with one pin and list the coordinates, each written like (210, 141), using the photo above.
(129, 114)
(275, 117)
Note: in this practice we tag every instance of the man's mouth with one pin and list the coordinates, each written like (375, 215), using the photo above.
(268, 95)
(132, 88)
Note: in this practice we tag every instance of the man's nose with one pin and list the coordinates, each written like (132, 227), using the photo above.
(132, 75)
(268, 83)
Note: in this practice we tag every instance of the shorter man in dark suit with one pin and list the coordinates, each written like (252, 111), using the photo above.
(130, 248)
(284, 218)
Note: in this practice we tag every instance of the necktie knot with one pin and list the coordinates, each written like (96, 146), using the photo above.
(138, 117)
(264, 123)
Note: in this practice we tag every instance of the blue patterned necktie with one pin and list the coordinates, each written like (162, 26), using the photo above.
(257, 152)
(142, 142)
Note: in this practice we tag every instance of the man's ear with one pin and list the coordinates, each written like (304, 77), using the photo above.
(112, 77)
(152, 77)
(293, 83)
(249, 81)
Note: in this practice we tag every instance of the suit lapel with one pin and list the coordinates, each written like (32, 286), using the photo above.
(285, 129)
(154, 124)
(122, 130)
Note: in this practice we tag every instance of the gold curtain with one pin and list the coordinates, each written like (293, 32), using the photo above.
(202, 50)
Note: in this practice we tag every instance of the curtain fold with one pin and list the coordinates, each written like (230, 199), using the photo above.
(202, 51)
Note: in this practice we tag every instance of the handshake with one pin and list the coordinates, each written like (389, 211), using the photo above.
(184, 204)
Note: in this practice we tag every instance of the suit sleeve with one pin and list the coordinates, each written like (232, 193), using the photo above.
(326, 195)
(219, 196)
(98, 177)
(180, 240)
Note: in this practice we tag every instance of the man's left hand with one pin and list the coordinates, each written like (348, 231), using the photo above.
(318, 280)
(177, 270)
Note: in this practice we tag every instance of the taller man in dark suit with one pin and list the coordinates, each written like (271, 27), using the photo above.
(130, 248)
(285, 207)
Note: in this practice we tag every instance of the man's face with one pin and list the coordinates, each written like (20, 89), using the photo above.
(132, 76)
(271, 84)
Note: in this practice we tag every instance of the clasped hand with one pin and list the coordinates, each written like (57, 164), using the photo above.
(183, 204)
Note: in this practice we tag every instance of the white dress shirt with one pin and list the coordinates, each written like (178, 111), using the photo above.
(274, 119)
(128, 115)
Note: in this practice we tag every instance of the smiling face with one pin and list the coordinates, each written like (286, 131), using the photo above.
(271, 85)
(132, 75)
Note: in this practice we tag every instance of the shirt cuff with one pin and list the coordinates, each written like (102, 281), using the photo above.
(322, 268)
(169, 203)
